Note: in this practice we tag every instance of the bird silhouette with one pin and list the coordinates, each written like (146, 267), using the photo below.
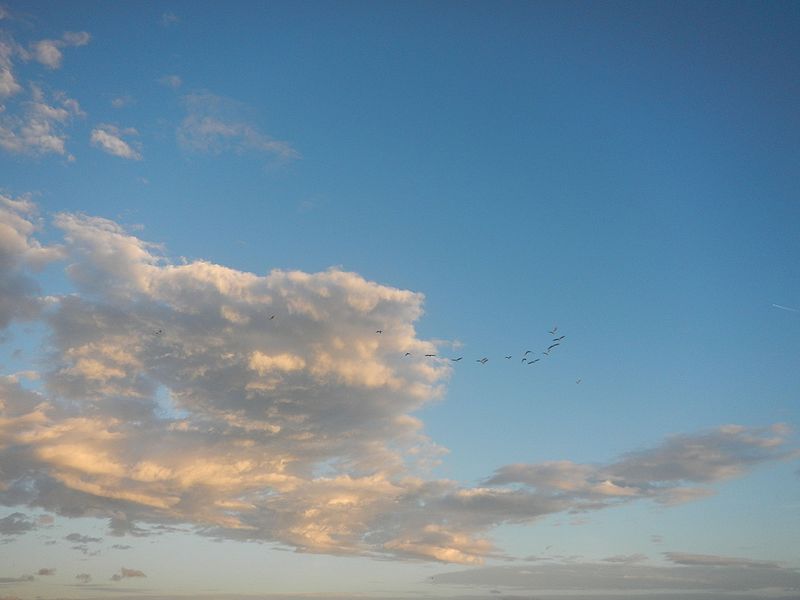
(429, 355)
(558, 339)
(508, 357)
(535, 360)
(553, 330)
(379, 331)
(552, 346)
(457, 359)
(483, 360)
(407, 354)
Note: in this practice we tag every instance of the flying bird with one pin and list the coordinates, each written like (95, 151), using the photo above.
(457, 359)
(429, 355)
(508, 357)
(578, 380)
(407, 354)
(535, 360)
(552, 346)
(483, 360)
(271, 317)
(553, 330)
(379, 331)
(158, 332)
(558, 339)
(527, 352)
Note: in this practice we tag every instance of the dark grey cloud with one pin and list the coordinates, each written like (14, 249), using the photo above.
(16, 523)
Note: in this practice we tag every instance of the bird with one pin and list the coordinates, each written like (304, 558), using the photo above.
(508, 357)
(407, 354)
(524, 359)
(578, 380)
(558, 339)
(552, 346)
(158, 332)
(457, 359)
(527, 352)
(535, 360)
(553, 330)
(429, 355)
(271, 317)
(379, 331)
(483, 360)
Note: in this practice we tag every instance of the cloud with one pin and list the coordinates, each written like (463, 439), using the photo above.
(39, 129)
(666, 473)
(45, 572)
(171, 81)
(126, 574)
(171, 397)
(20, 253)
(711, 560)
(16, 524)
(168, 19)
(626, 558)
(82, 539)
(8, 83)
(109, 139)
(215, 125)
(122, 101)
(584, 577)
(48, 52)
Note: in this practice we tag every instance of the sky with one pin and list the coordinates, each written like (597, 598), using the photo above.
(444, 300)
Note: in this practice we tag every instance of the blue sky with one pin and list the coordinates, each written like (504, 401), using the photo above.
(463, 177)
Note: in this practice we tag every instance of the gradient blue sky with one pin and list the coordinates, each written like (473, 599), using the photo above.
(625, 171)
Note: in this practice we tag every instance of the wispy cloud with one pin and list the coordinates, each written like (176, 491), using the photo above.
(720, 579)
(171, 81)
(789, 308)
(109, 139)
(215, 124)
(127, 574)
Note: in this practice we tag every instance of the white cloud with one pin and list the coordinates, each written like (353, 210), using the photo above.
(109, 139)
(40, 128)
(172, 396)
(48, 52)
(215, 124)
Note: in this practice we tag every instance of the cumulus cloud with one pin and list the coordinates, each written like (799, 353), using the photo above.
(265, 407)
(127, 574)
(109, 139)
(48, 52)
(215, 124)
(20, 252)
(40, 128)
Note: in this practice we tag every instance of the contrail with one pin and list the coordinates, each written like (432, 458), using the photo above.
(789, 308)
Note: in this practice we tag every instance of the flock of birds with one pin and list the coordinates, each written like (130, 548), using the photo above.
(528, 358)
